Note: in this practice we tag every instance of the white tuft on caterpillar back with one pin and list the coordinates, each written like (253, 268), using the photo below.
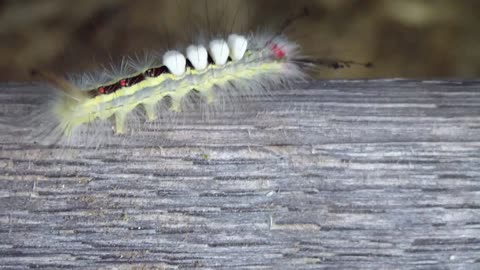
(198, 56)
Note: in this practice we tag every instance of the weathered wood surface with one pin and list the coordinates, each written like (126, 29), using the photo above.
(340, 175)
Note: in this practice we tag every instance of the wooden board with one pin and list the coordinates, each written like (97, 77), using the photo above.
(335, 174)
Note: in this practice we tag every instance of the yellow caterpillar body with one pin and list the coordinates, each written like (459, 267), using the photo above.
(265, 62)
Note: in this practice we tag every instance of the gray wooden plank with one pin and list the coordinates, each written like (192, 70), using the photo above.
(331, 175)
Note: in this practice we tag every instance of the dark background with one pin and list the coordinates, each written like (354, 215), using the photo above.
(403, 38)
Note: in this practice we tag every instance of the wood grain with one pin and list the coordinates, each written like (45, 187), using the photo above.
(332, 175)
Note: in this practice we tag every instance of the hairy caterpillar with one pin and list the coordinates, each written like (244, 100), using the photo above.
(227, 67)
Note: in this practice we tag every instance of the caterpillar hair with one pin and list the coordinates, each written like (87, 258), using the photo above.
(222, 69)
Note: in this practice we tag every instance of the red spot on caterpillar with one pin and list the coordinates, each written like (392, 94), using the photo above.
(101, 90)
(123, 82)
(277, 51)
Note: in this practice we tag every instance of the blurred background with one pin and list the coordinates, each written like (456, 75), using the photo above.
(403, 38)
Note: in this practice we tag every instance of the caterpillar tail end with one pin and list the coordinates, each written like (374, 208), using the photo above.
(60, 84)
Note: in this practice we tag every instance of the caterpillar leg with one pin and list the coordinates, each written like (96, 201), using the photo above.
(150, 111)
(176, 105)
(120, 122)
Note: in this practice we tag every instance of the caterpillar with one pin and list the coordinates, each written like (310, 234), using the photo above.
(234, 65)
